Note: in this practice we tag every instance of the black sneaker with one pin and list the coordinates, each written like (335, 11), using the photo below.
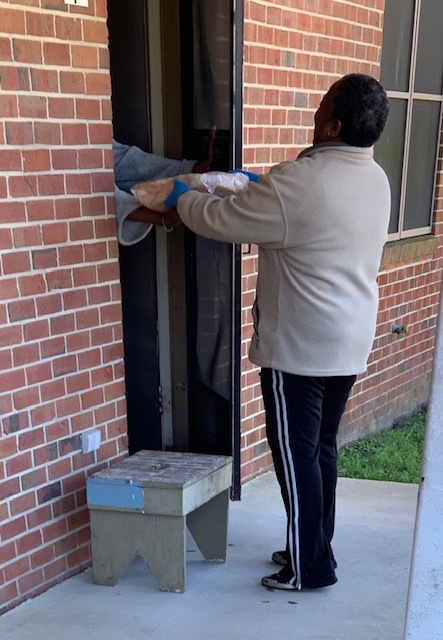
(281, 558)
(285, 581)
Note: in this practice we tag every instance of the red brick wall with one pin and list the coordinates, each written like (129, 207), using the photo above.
(294, 50)
(60, 314)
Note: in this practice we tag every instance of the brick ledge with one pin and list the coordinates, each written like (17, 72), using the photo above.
(409, 250)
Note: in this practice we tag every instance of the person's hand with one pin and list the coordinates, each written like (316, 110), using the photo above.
(205, 165)
(253, 177)
(179, 189)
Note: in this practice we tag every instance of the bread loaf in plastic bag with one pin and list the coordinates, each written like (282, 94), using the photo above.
(153, 194)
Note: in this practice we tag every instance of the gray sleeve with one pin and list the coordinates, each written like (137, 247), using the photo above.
(128, 231)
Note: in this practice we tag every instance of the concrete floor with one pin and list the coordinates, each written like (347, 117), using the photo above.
(372, 545)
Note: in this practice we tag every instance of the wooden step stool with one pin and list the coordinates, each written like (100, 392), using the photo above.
(143, 504)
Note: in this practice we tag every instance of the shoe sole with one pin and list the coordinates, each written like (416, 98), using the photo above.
(270, 583)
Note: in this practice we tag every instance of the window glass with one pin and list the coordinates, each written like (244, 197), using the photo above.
(421, 165)
(389, 152)
(429, 73)
(212, 64)
(397, 44)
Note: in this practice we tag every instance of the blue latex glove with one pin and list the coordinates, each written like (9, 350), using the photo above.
(179, 189)
(253, 177)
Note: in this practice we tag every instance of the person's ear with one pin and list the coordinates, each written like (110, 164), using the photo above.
(334, 128)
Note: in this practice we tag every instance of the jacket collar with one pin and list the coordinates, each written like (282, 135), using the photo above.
(336, 146)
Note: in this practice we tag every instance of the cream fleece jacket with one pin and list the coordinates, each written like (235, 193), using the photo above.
(320, 223)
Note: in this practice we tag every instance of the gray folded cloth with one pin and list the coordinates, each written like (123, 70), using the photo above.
(128, 231)
(133, 166)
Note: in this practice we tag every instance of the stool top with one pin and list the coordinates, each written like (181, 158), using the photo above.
(169, 468)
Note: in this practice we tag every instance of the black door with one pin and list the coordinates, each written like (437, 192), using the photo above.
(128, 45)
(211, 53)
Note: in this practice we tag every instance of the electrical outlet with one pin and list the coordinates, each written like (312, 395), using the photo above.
(79, 3)
(91, 440)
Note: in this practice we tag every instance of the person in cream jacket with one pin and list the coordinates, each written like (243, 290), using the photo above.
(320, 223)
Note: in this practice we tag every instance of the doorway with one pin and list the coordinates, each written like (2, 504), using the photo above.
(172, 80)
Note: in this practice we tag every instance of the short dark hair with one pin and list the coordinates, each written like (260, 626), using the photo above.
(362, 106)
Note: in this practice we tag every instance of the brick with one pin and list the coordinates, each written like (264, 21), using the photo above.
(47, 133)
(36, 160)
(5, 49)
(9, 488)
(26, 354)
(10, 336)
(42, 557)
(24, 237)
(57, 232)
(61, 108)
(44, 413)
(60, 279)
(44, 80)
(13, 528)
(100, 133)
(49, 305)
(38, 373)
(19, 133)
(64, 159)
(55, 569)
(59, 469)
(10, 159)
(90, 159)
(30, 439)
(22, 503)
(68, 28)
(78, 183)
(27, 51)
(32, 285)
(8, 106)
(41, 209)
(17, 262)
(57, 430)
(57, 53)
(13, 21)
(44, 259)
(40, 24)
(42, 455)
(75, 133)
(84, 57)
(33, 106)
(48, 493)
(12, 211)
(19, 464)
(30, 582)
(21, 310)
(98, 84)
(72, 82)
(37, 330)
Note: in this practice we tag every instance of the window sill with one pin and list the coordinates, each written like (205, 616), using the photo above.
(399, 252)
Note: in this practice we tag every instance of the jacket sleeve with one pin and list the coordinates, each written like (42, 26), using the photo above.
(253, 216)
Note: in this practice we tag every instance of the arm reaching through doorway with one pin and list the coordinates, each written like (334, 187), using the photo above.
(134, 166)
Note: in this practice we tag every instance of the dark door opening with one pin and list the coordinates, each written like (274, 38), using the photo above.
(203, 64)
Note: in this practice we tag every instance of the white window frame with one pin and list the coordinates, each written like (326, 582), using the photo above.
(410, 96)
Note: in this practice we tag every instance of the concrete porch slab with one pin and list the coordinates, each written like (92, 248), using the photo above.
(372, 545)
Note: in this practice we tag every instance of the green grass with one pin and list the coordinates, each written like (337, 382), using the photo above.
(393, 455)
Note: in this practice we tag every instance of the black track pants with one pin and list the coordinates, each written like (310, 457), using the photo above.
(302, 419)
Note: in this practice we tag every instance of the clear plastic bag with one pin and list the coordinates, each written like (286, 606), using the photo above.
(153, 194)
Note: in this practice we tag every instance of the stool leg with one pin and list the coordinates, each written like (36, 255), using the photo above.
(160, 540)
(162, 547)
(113, 545)
(208, 525)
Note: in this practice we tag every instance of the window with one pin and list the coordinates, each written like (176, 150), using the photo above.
(412, 74)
